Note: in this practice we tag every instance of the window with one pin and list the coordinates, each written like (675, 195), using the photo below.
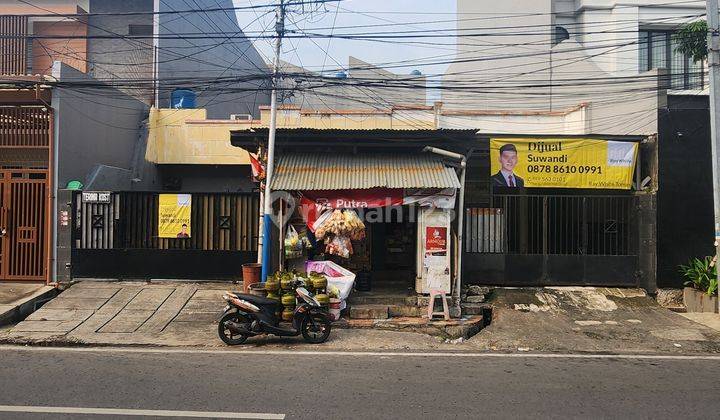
(140, 30)
(561, 34)
(656, 49)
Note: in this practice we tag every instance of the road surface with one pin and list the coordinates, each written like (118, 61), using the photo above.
(94, 383)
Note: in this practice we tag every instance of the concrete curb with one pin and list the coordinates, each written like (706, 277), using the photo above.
(21, 308)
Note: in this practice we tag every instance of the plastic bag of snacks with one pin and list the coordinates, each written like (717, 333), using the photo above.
(293, 245)
(340, 223)
(339, 245)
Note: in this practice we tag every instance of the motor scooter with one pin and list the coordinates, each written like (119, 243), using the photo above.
(248, 315)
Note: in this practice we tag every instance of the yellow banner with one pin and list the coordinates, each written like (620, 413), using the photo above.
(174, 215)
(562, 163)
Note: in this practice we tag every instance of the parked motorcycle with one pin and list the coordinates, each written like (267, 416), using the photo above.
(248, 315)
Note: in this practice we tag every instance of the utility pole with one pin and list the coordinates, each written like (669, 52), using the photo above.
(267, 212)
(156, 53)
(713, 20)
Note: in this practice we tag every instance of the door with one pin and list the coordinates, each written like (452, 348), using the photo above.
(23, 224)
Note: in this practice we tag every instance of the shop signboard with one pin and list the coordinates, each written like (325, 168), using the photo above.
(435, 239)
(96, 197)
(315, 202)
(356, 199)
(562, 163)
(174, 212)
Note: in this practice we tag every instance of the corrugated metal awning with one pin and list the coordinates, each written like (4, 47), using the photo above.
(305, 171)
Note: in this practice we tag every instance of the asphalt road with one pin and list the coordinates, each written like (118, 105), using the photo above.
(351, 385)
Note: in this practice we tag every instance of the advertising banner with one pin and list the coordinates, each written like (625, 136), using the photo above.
(435, 239)
(315, 202)
(174, 215)
(356, 199)
(562, 163)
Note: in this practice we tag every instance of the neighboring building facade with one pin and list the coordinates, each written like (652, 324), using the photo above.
(559, 55)
(362, 86)
(169, 47)
(557, 69)
(84, 114)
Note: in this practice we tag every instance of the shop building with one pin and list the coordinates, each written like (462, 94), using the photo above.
(405, 197)
(594, 233)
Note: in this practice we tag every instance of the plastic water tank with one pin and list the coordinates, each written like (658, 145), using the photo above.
(182, 99)
(416, 73)
(341, 75)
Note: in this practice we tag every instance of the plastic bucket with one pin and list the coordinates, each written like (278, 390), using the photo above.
(334, 308)
(251, 275)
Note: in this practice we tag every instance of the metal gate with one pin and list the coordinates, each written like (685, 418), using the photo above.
(23, 224)
(553, 240)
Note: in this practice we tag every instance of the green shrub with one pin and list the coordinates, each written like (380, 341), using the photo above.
(701, 274)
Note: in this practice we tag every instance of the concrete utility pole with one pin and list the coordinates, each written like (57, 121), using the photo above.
(713, 20)
(267, 222)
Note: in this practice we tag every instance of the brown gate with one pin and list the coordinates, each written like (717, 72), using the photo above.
(23, 203)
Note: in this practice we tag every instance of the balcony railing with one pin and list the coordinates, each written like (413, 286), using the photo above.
(13, 48)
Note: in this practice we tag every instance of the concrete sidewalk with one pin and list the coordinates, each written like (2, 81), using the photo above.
(127, 313)
(589, 319)
(183, 314)
(708, 319)
(17, 300)
(566, 320)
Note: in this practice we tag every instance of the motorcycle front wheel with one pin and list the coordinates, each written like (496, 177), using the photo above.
(227, 335)
(315, 328)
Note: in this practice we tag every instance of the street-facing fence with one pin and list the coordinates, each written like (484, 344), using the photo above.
(552, 225)
(553, 240)
(119, 238)
(220, 222)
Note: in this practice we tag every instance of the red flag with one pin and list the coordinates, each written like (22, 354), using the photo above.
(258, 172)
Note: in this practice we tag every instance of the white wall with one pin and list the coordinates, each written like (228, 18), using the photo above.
(597, 66)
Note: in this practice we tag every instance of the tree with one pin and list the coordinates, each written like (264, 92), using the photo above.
(691, 40)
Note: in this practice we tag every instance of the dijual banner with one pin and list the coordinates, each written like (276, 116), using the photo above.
(562, 163)
(174, 215)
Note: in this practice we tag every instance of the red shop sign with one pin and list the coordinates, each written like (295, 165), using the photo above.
(312, 203)
(435, 238)
(356, 199)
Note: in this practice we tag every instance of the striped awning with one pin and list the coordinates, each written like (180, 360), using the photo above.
(312, 171)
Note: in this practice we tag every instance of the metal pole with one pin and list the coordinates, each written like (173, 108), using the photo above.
(461, 220)
(156, 53)
(267, 223)
(713, 21)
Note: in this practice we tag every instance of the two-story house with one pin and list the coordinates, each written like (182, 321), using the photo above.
(77, 81)
(591, 69)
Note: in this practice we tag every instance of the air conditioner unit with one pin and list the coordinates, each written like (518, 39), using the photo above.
(242, 117)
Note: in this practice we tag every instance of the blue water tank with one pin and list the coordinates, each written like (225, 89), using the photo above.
(341, 75)
(416, 73)
(182, 99)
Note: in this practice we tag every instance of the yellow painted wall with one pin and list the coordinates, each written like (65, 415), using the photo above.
(354, 120)
(183, 136)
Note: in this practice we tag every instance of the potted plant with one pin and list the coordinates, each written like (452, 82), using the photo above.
(700, 293)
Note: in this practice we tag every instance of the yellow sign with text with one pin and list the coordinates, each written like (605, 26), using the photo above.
(562, 163)
(174, 215)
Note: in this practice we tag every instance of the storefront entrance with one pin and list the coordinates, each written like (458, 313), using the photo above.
(393, 254)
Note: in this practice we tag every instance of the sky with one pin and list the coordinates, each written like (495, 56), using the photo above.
(393, 15)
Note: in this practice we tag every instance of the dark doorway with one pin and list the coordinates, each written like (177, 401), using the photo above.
(393, 251)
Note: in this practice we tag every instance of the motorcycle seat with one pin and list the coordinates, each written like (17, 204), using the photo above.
(257, 300)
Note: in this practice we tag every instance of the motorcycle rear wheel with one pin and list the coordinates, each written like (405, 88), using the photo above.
(228, 336)
(317, 332)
